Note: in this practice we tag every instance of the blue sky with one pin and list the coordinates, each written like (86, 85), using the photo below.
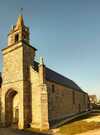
(65, 32)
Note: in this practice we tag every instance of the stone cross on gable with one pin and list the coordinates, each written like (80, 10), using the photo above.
(21, 11)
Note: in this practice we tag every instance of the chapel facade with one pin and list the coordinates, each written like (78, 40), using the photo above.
(31, 93)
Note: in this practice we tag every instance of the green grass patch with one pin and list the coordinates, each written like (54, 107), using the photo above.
(79, 126)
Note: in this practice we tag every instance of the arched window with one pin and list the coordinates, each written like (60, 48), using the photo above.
(16, 38)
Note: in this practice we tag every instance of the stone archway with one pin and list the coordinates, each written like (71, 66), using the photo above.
(9, 97)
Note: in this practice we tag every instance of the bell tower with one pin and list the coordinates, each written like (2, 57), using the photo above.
(18, 56)
(18, 33)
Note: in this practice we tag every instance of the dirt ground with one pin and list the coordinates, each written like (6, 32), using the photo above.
(11, 131)
(95, 131)
(92, 132)
(86, 125)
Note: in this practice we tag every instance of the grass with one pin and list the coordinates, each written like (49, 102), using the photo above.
(79, 126)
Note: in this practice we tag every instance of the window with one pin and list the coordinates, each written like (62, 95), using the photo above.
(53, 88)
(83, 99)
(73, 97)
(16, 38)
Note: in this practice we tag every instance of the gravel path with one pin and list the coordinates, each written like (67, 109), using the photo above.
(92, 132)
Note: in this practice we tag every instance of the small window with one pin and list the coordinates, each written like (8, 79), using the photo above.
(53, 88)
(73, 97)
(16, 38)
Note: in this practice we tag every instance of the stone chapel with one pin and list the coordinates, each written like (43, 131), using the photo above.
(31, 93)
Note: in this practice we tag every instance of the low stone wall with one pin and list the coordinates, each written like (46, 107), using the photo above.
(57, 123)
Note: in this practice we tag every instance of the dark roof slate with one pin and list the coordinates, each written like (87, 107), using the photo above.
(58, 78)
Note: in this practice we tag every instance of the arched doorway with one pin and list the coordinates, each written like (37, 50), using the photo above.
(9, 110)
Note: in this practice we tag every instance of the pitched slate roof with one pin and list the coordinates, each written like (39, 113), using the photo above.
(58, 78)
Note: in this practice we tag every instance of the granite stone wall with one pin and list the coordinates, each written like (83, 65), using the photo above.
(63, 101)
